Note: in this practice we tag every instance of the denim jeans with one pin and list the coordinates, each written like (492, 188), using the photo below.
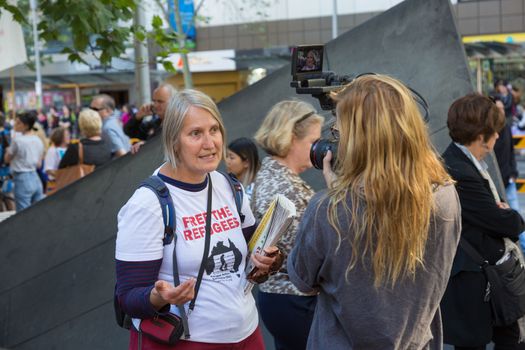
(28, 189)
(512, 198)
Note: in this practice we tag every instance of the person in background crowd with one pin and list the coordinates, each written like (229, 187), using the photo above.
(6, 184)
(5, 140)
(225, 317)
(42, 120)
(111, 127)
(24, 156)
(242, 160)
(65, 119)
(504, 150)
(516, 99)
(139, 127)
(52, 119)
(474, 122)
(125, 114)
(97, 150)
(41, 133)
(502, 92)
(378, 244)
(60, 138)
(286, 134)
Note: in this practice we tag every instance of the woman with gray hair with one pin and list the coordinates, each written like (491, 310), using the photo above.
(286, 134)
(224, 316)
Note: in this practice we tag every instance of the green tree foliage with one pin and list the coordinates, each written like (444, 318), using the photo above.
(103, 28)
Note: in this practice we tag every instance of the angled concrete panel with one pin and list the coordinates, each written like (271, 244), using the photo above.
(74, 287)
(56, 258)
(93, 330)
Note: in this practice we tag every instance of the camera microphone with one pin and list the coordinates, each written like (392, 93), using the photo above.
(308, 83)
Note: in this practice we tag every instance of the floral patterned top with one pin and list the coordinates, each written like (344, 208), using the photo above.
(274, 178)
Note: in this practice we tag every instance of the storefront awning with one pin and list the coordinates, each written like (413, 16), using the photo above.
(62, 73)
(493, 49)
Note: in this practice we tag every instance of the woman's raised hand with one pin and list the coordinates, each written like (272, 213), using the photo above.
(165, 293)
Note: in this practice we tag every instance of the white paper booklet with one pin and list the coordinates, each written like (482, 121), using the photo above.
(274, 223)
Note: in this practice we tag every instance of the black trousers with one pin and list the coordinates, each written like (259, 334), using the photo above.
(504, 338)
(288, 318)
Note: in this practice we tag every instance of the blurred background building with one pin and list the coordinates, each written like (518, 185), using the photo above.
(234, 43)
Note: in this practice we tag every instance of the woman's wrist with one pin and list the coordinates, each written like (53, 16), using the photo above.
(156, 299)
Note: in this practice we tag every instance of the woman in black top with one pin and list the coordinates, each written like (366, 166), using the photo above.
(474, 123)
(97, 151)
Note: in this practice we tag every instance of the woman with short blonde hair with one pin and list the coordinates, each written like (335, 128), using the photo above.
(285, 120)
(286, 134)
(96, 149)
(89, 123)
(378, 245)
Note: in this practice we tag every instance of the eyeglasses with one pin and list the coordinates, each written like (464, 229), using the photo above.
(335, 132)
(96, 109)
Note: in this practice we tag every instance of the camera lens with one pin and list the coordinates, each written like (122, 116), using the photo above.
(318, 152)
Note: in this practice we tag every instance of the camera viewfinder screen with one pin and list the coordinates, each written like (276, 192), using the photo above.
(309, 59)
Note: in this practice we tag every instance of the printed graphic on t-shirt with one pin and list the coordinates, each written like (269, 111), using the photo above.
(195, 225)
(224, 261)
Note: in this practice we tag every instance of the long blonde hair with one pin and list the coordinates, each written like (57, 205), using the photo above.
(386, 164)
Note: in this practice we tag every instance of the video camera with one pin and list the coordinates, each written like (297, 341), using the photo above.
(308, 78)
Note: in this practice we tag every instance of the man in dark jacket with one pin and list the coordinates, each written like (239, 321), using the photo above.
(144, 128)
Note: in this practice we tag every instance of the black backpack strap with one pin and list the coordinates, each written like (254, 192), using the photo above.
(158, 187)
(472, 252)
(238, 194)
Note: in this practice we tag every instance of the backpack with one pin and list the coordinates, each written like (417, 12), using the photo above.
(155, 184)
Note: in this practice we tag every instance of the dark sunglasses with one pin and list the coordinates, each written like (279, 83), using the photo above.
(97, 109)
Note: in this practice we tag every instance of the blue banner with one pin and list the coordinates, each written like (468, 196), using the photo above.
(187, 13)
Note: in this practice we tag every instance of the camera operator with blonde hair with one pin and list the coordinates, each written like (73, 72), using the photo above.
(378, 246)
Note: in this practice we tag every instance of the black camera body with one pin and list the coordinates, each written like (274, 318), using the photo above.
(308, 78)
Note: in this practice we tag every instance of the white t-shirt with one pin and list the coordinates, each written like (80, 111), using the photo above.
(223, 313)
(53, 157)
(26, 152)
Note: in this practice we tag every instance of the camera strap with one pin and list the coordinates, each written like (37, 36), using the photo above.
(176, 280)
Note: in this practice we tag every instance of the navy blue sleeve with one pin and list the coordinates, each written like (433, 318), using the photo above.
(248, 232)
(135, 280)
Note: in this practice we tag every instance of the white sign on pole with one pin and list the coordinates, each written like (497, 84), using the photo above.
(12, 44)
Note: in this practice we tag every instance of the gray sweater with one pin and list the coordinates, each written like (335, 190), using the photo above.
(353, 314)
